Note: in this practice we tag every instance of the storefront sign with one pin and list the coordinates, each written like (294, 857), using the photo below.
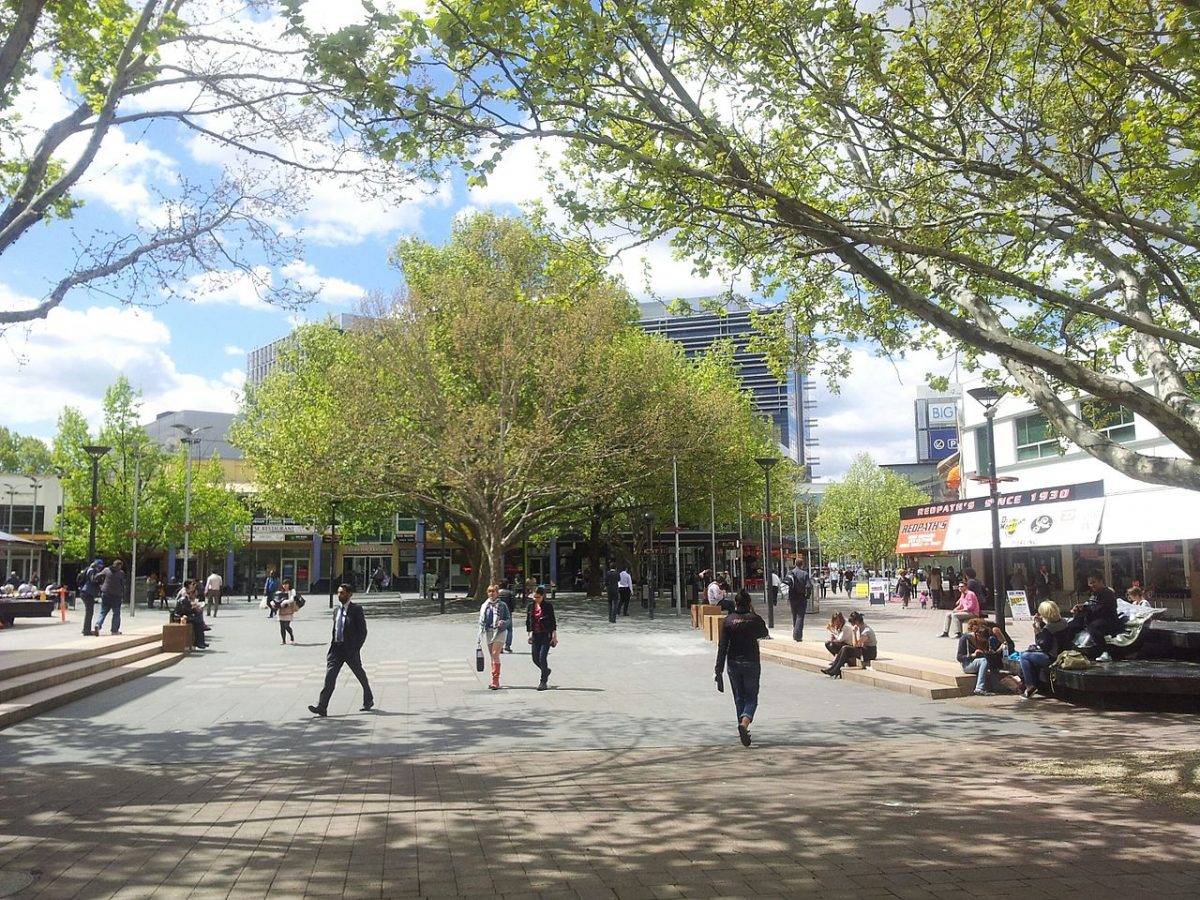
(877, 590)
(1018, 606)
(1039, 517)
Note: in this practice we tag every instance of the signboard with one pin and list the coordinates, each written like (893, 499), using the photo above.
(877, 590)
(1018, 607)
(943, 442)
(1039, 517)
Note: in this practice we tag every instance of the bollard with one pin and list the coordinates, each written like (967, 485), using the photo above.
(62, 602)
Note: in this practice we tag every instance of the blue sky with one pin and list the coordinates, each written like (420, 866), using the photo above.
(191, 354)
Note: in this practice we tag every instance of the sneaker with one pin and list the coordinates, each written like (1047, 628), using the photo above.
(542, 686)
(1029, 693)
(944, 634)
(1104, 657)
(984, 694)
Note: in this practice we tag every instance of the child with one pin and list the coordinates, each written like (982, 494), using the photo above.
(924, 599)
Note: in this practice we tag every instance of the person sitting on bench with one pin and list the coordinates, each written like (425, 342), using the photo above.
(189, 609)
(865, 647)
(1098, 617)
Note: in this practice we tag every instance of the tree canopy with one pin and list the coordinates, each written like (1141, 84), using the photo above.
(23, 454)
(216, 71)
(859, 516)
(506, 390)
(1011, 183)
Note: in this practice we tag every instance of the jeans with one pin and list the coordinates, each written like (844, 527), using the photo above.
(798, 624)
(1032, 664)
(107, 605)
(614, 602)
(89, 610)
(743, 683)
(540, 650)
(979, 668)
(212, 602)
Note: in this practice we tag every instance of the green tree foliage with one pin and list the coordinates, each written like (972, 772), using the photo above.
(124, 65)
(219, 518)
(859, 517)
(507, 391)
(1007, 182)
(23, 454)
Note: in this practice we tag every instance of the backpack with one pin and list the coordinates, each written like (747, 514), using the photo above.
(798, 586)
(81, 580)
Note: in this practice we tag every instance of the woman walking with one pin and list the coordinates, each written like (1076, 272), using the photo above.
(288, 604)
(495, 621)
(738, 652)
(542, 628)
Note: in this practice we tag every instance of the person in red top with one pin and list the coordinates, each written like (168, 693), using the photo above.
(966, 608)
(543, 632)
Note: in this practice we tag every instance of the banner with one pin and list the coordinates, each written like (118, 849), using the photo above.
(1039, 517)
(877, 590)
(1018, 607)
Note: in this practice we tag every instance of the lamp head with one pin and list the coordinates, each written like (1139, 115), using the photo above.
(767, 462)
(95, 451)
(986, 396)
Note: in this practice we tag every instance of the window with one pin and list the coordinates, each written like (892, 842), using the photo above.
(983, 450)
(1035, 439)
(1111, 419)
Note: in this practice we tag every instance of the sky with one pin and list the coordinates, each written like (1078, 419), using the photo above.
(191, 353)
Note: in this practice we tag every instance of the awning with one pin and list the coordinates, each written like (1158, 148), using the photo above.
(1154, 514)
(11, 540)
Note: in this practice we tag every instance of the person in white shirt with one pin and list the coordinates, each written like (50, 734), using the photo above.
(624, 591)
(212, 594)
(715, 595)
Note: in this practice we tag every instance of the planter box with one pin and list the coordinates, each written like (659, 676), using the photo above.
(177, 638)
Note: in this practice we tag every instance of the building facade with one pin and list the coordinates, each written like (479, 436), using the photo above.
(29, 509)
(1144, 532)
(785, 404)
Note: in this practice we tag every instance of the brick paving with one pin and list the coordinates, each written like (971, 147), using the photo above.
(626, 782)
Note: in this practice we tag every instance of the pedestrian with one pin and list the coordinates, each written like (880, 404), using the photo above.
(289, 604)
(799, 589)
(542, 628)
(270, 588)
(737, 651)
(508, 598)
(377, 579)
(824, 583)
(624, 591)
(495, 618)
(112, 596)
(612, 584)
(212, 594)
(151, 589)
(349, 635)
(87, 588)
(904, 589)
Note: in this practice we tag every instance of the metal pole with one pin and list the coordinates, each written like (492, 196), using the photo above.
(712, 524)
(137, 487)
(741, 558)
(808, 533)
(650, 563)
(767, 555)
(332, 545)
(95, 500)
(796, 534)
(12, 529)
(253, 563)
(187, 509)
(62, 530)
(441, 554)
(997, 565)
(678, 568)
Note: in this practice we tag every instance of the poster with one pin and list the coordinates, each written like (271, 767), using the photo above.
(1018, 607)
(878, 590)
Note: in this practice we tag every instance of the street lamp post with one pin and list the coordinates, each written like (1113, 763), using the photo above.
(767, 463)
(333, 504)
(989, 398)
(137, 491)
(12, 491)
(61, 520)
(649, 563)
(443, 492)
(95, 451)
(190, 439)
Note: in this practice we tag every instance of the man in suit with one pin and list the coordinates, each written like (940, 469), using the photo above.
(349, 634)
(612, 584)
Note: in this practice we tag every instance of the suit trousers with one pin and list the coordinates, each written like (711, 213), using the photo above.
(623, 594)
(613, 602)
(343, 655)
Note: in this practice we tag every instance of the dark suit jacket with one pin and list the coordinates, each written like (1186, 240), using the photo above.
(612, 581)
(354, 632)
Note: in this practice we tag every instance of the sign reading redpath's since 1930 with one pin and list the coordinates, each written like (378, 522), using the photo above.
(1038, 517)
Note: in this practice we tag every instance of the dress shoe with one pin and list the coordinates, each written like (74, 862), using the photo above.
(542, 686)
(317, 711)
(367, 707)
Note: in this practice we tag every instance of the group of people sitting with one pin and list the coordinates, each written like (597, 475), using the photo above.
(189, 610)
(850, 639)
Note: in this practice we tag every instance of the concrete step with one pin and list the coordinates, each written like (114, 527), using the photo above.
(33, 704)
(32, 682)
(902, 684)
(21, 662)
(929, 670)
(793, 660)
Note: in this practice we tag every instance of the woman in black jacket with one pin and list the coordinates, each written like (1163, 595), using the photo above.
(543, 632)
(740, 633)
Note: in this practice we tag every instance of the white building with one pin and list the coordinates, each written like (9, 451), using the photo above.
(29, 509)
(1146, 532)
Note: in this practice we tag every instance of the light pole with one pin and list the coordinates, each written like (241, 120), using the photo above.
(189, 438)
(650, 562)
(12, 530)
(989, 398)
(137, 492)
(678, 565)
(95, 451)
(62, 524)
(443, 492)
(333, 504)
(767, 463)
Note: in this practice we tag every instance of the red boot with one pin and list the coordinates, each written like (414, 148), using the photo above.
(495, 685)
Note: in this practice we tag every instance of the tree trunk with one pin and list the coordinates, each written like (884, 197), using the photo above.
(595, 543)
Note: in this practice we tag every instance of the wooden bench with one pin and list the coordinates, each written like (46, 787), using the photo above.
(700, 610)
(26, 608)
(712, 626)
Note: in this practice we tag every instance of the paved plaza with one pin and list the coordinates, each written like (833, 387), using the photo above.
(626, 780)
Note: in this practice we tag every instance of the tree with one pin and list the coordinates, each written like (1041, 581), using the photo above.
(23, 454)
(219, 518)
(211, 69)
(1016, 183)
(859, 517)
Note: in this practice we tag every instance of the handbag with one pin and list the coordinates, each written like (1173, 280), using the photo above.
(478, 658)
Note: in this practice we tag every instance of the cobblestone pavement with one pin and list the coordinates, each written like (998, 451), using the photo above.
(210, 779)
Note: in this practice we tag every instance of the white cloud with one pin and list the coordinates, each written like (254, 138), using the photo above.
(653, 270)
(328, 289)
(234, 350)
(874, 411)
(520, 176)
(72, 355)
(231, 287)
